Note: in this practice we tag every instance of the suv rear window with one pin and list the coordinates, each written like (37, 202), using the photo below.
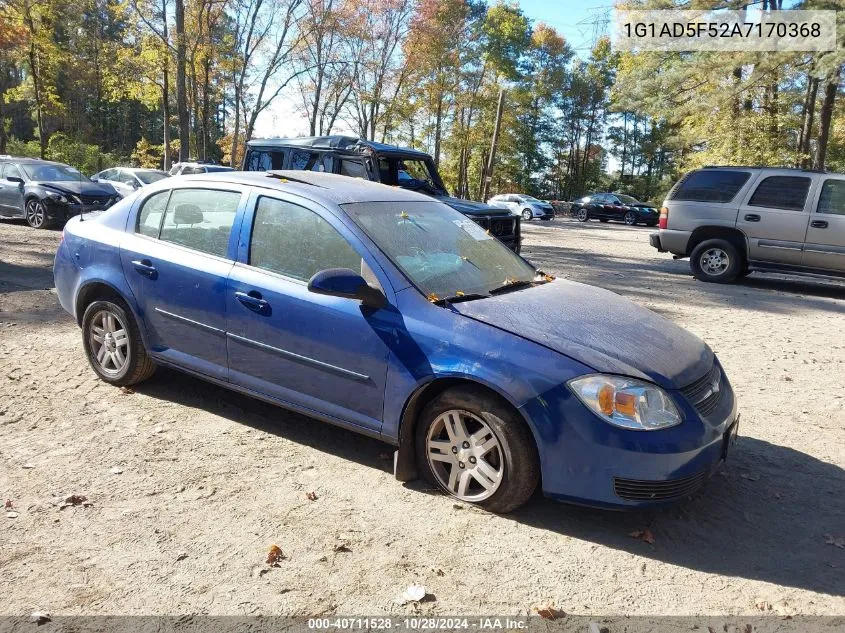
(710, 185)
(781, 192)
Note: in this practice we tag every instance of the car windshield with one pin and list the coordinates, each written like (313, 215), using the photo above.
(442, 252)
(416, 174)
(626, 199)
(53, 173)
(148, 177)
(531, 199)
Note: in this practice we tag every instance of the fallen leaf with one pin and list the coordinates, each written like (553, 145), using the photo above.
(311, 496)
(75, 500)
(8, 504)
(28, 466)
(181, 556)
(39, 618)
(836, 542)
(440, 572)
(275, 555)
(126, 391)
(116, 470)
(12, 515)
(549, 612)
(342, 547)
(644, 535)
(414, 593)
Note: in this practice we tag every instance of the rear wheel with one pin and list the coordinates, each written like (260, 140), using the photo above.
(526, 214)
(476, 448)
(630, 218)
(113, 344)
(582, 215)
(716, 260)
(36, 214)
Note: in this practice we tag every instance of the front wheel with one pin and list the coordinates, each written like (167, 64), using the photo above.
(477, 449)
(582, 215)
(526, 214)
(716, 261)
(36, 214)
(113, 344)
(631, 218)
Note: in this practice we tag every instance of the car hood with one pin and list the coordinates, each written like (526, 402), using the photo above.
(470, 207)
(82, 187)
(598, 328)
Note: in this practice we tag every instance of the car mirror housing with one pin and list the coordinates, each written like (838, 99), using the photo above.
(344, 282)
(15, 179)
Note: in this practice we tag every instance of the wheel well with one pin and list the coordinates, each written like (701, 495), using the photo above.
(733, 236)
(95, 291)
(405, 467)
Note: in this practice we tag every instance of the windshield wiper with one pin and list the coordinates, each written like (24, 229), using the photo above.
(510, 286)
(457, 298)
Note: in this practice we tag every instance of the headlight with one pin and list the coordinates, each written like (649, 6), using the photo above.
(626, 402)
(57, 197)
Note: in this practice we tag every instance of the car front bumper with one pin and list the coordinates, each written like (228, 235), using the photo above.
(62, 212)
(587, 461)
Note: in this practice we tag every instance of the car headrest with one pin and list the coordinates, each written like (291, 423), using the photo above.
(187, 214)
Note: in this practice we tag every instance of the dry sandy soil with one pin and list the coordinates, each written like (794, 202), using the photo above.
(189, 485)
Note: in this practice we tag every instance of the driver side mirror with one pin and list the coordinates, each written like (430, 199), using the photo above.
(16, 179)
(344, 282)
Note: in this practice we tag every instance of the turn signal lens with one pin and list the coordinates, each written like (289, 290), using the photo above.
(663, 221)
(626, 402)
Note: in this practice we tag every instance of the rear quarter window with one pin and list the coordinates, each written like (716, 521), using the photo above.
(710, 186)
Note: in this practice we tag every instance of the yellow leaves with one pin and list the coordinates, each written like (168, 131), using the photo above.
(275, 555)
(404, 215)
(433, 298)
(460, 293)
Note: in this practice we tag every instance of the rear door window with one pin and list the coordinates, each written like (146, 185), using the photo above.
(201, 219)
(720, 185)
(264, 159)
(832, 198)
(781, 192)
(353, 168)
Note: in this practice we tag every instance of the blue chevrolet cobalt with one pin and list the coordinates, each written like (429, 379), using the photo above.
(386, 312)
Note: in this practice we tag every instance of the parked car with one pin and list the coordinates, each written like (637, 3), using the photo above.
(387, 164)
(527, 207)
(190, 168)
(45, 193)
(614, 206)
(127, 180)
(391, 314)
(731, 221)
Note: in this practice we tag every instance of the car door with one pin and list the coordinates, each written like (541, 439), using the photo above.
(596, 206)
(824, 247)
(124, 182)
(774, 218)
(11, 191)
(325, 354)
(177, 261)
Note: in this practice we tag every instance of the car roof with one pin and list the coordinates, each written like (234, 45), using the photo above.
(29, 161)
(331, 189)
(350, 144)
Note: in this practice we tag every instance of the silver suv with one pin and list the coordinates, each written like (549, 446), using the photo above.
(733, 220)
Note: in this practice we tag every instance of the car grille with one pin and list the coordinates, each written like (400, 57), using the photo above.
(88, 199)
(639, 490)
(705, 394)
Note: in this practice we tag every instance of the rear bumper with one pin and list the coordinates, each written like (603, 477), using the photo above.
(668, 241)
(654, 240)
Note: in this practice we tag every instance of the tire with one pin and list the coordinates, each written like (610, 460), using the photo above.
(511, 467)
(36, 215)
(630, 218)
(527, 215)
(582, 215)
(112, 317)
(716, 261)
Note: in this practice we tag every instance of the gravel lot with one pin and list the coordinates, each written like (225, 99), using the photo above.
(189, 485)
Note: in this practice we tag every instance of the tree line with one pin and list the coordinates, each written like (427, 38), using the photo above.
(102, 82)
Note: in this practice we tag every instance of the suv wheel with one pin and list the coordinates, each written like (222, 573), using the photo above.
(582, 215)
(717, 261)
(477, 449)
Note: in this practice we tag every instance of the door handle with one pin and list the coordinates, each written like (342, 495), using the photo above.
(819, 224)
(252, 300)
(752, 217)
(145, 267)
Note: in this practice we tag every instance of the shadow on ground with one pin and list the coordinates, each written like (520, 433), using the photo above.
(764, 516)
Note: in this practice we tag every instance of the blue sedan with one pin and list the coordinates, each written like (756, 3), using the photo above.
(386, 312)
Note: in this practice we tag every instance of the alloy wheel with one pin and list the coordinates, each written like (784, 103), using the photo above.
(35, 214)
(109, 342)
(465, 455)
(582, 215)
(630, 218)
(714, 261)
(526, 215)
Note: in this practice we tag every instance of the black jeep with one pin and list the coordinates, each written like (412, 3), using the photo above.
(388, 164)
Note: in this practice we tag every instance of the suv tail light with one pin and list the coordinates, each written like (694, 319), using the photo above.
(663, 222)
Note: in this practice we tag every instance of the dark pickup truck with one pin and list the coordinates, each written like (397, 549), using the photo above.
(388, 164)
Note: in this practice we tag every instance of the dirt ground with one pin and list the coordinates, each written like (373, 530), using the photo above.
(189, 485)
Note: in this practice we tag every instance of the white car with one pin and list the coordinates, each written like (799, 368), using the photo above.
(126, 180)
(526, 206)
(185, 169)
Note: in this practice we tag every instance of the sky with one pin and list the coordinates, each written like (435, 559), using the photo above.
(574, 19)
